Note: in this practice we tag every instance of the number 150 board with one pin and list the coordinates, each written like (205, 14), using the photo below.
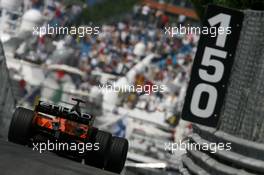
(212, 66)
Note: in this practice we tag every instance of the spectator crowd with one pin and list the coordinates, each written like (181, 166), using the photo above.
(120, 45)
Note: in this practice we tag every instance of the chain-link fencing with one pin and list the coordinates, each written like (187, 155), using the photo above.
(7, 99)
(243, 110)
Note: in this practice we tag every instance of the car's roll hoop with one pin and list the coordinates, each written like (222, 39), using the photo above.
(76, 107)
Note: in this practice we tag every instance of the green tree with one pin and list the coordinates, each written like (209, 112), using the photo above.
(237, 4)
(105, 10)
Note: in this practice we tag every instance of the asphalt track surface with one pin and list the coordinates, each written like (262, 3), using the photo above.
(21, 160)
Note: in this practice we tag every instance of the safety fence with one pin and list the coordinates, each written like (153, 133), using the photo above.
(7, 99)
(242, 113)
(242, 117)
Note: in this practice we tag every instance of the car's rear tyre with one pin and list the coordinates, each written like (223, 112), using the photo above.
(20, 126)
(98, 157)
(117, 155)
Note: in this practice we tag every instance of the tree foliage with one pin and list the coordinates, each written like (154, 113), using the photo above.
(237, 4)
(105, 10)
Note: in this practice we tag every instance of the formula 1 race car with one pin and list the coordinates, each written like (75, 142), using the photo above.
(58, 124)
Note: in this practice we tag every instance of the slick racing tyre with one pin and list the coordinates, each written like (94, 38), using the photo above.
(117, 155)
(20, 126)
(98, 157)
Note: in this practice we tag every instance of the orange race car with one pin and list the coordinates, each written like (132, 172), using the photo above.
(68, 132)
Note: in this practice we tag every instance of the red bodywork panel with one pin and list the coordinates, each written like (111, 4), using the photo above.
(63, 125)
